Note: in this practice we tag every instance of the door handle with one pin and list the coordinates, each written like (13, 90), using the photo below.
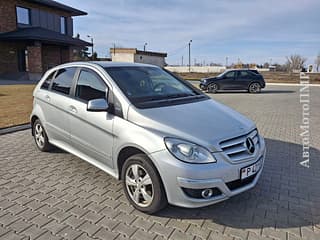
(73, 109)
(47, 98)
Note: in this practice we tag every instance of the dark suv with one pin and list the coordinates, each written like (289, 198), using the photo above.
(240, 79)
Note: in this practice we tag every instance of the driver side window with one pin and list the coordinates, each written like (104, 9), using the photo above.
(230, 74)
(90, 86)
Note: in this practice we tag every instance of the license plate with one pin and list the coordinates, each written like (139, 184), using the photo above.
(250, 170)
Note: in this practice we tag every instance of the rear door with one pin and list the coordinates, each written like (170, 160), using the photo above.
(43, 98)
(242, 80)
(58, 121)
(91, 132)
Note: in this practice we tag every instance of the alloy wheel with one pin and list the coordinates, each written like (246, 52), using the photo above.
(212, 88)
(254, 88)
(39, 135)
(139, 185)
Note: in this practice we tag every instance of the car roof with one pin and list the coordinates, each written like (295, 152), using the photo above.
(106, 64)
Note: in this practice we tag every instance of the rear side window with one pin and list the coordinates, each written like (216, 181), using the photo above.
(90, 86)
(244, 74)
(45, 85)
(63, 81)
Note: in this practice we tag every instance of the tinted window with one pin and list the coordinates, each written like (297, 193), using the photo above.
(63, 80)
(230, 74)
(90, 86)
(244, 74)
(47, 82)
(23, 15)
(63, 25)
(148, 83)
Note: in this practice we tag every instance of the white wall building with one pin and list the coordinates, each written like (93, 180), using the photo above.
(138, 56)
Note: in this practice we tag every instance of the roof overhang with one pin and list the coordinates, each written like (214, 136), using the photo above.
(59, 6)
(42, 35)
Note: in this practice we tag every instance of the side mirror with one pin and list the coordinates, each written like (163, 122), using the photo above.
(98, 105)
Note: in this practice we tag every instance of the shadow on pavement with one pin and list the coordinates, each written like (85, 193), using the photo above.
(286, 196)
(262, 92)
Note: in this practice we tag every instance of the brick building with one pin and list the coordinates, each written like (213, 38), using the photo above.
(36, 35)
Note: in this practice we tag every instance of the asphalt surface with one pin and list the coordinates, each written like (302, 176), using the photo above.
(59, 196)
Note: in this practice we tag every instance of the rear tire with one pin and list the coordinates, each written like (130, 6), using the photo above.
(142, 184)
(254, 88)
(212, 88)
(40, 137)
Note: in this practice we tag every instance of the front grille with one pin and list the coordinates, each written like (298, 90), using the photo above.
(236, 149)
(240, 183)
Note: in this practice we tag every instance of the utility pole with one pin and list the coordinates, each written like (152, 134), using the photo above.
(144, 47)
(92, 44)
(114, 49)
(226, 62)
(182, 61)
(189, 54)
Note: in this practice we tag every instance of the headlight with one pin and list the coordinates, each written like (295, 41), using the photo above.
(204, 80)
(188, 152)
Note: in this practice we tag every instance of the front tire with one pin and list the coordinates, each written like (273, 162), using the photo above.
(254, 88)
(40, 137)
(212, 88)
(142, 184)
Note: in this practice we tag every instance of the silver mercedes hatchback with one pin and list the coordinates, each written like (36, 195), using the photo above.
(166, 140)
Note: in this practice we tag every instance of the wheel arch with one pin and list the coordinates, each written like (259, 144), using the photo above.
(124, 154)
(32, 120)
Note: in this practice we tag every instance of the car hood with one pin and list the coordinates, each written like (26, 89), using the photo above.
(206, 122)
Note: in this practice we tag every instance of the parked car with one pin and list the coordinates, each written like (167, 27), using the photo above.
(166, 140)
(241, 79)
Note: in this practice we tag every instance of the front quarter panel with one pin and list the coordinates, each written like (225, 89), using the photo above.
(128, 134)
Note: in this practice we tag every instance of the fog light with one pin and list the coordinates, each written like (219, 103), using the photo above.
(207, 193)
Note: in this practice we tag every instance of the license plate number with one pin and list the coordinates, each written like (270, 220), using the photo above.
(250, 170)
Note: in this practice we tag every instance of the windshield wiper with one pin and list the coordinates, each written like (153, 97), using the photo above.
(179, 95)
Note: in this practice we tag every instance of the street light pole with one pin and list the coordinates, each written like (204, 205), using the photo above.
(144, 47)
(92, 44)
(189, 54)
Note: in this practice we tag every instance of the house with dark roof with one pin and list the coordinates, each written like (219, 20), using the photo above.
(36, 35)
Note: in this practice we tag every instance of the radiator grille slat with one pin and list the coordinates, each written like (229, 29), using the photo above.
(235, 148)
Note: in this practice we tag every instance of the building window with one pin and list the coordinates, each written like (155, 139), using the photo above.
(63, 25)
(23, 15)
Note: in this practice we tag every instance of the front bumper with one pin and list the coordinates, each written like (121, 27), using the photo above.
(223, 175)
(202, 86)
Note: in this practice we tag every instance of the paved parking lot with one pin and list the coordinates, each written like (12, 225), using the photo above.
(57, 195)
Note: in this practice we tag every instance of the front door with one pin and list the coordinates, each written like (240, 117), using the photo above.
(228, 81)
(91, 132)
(22, 63)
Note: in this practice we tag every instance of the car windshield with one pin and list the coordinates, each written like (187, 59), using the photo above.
(145, 84)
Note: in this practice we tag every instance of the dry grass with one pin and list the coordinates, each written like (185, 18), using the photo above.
(15, 104)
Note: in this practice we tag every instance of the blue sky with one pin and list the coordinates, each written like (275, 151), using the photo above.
(249, 30)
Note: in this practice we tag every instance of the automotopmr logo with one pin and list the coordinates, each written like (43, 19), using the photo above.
(305, 120)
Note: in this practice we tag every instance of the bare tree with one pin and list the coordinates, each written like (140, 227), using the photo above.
(295, 62)
(317, 62)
